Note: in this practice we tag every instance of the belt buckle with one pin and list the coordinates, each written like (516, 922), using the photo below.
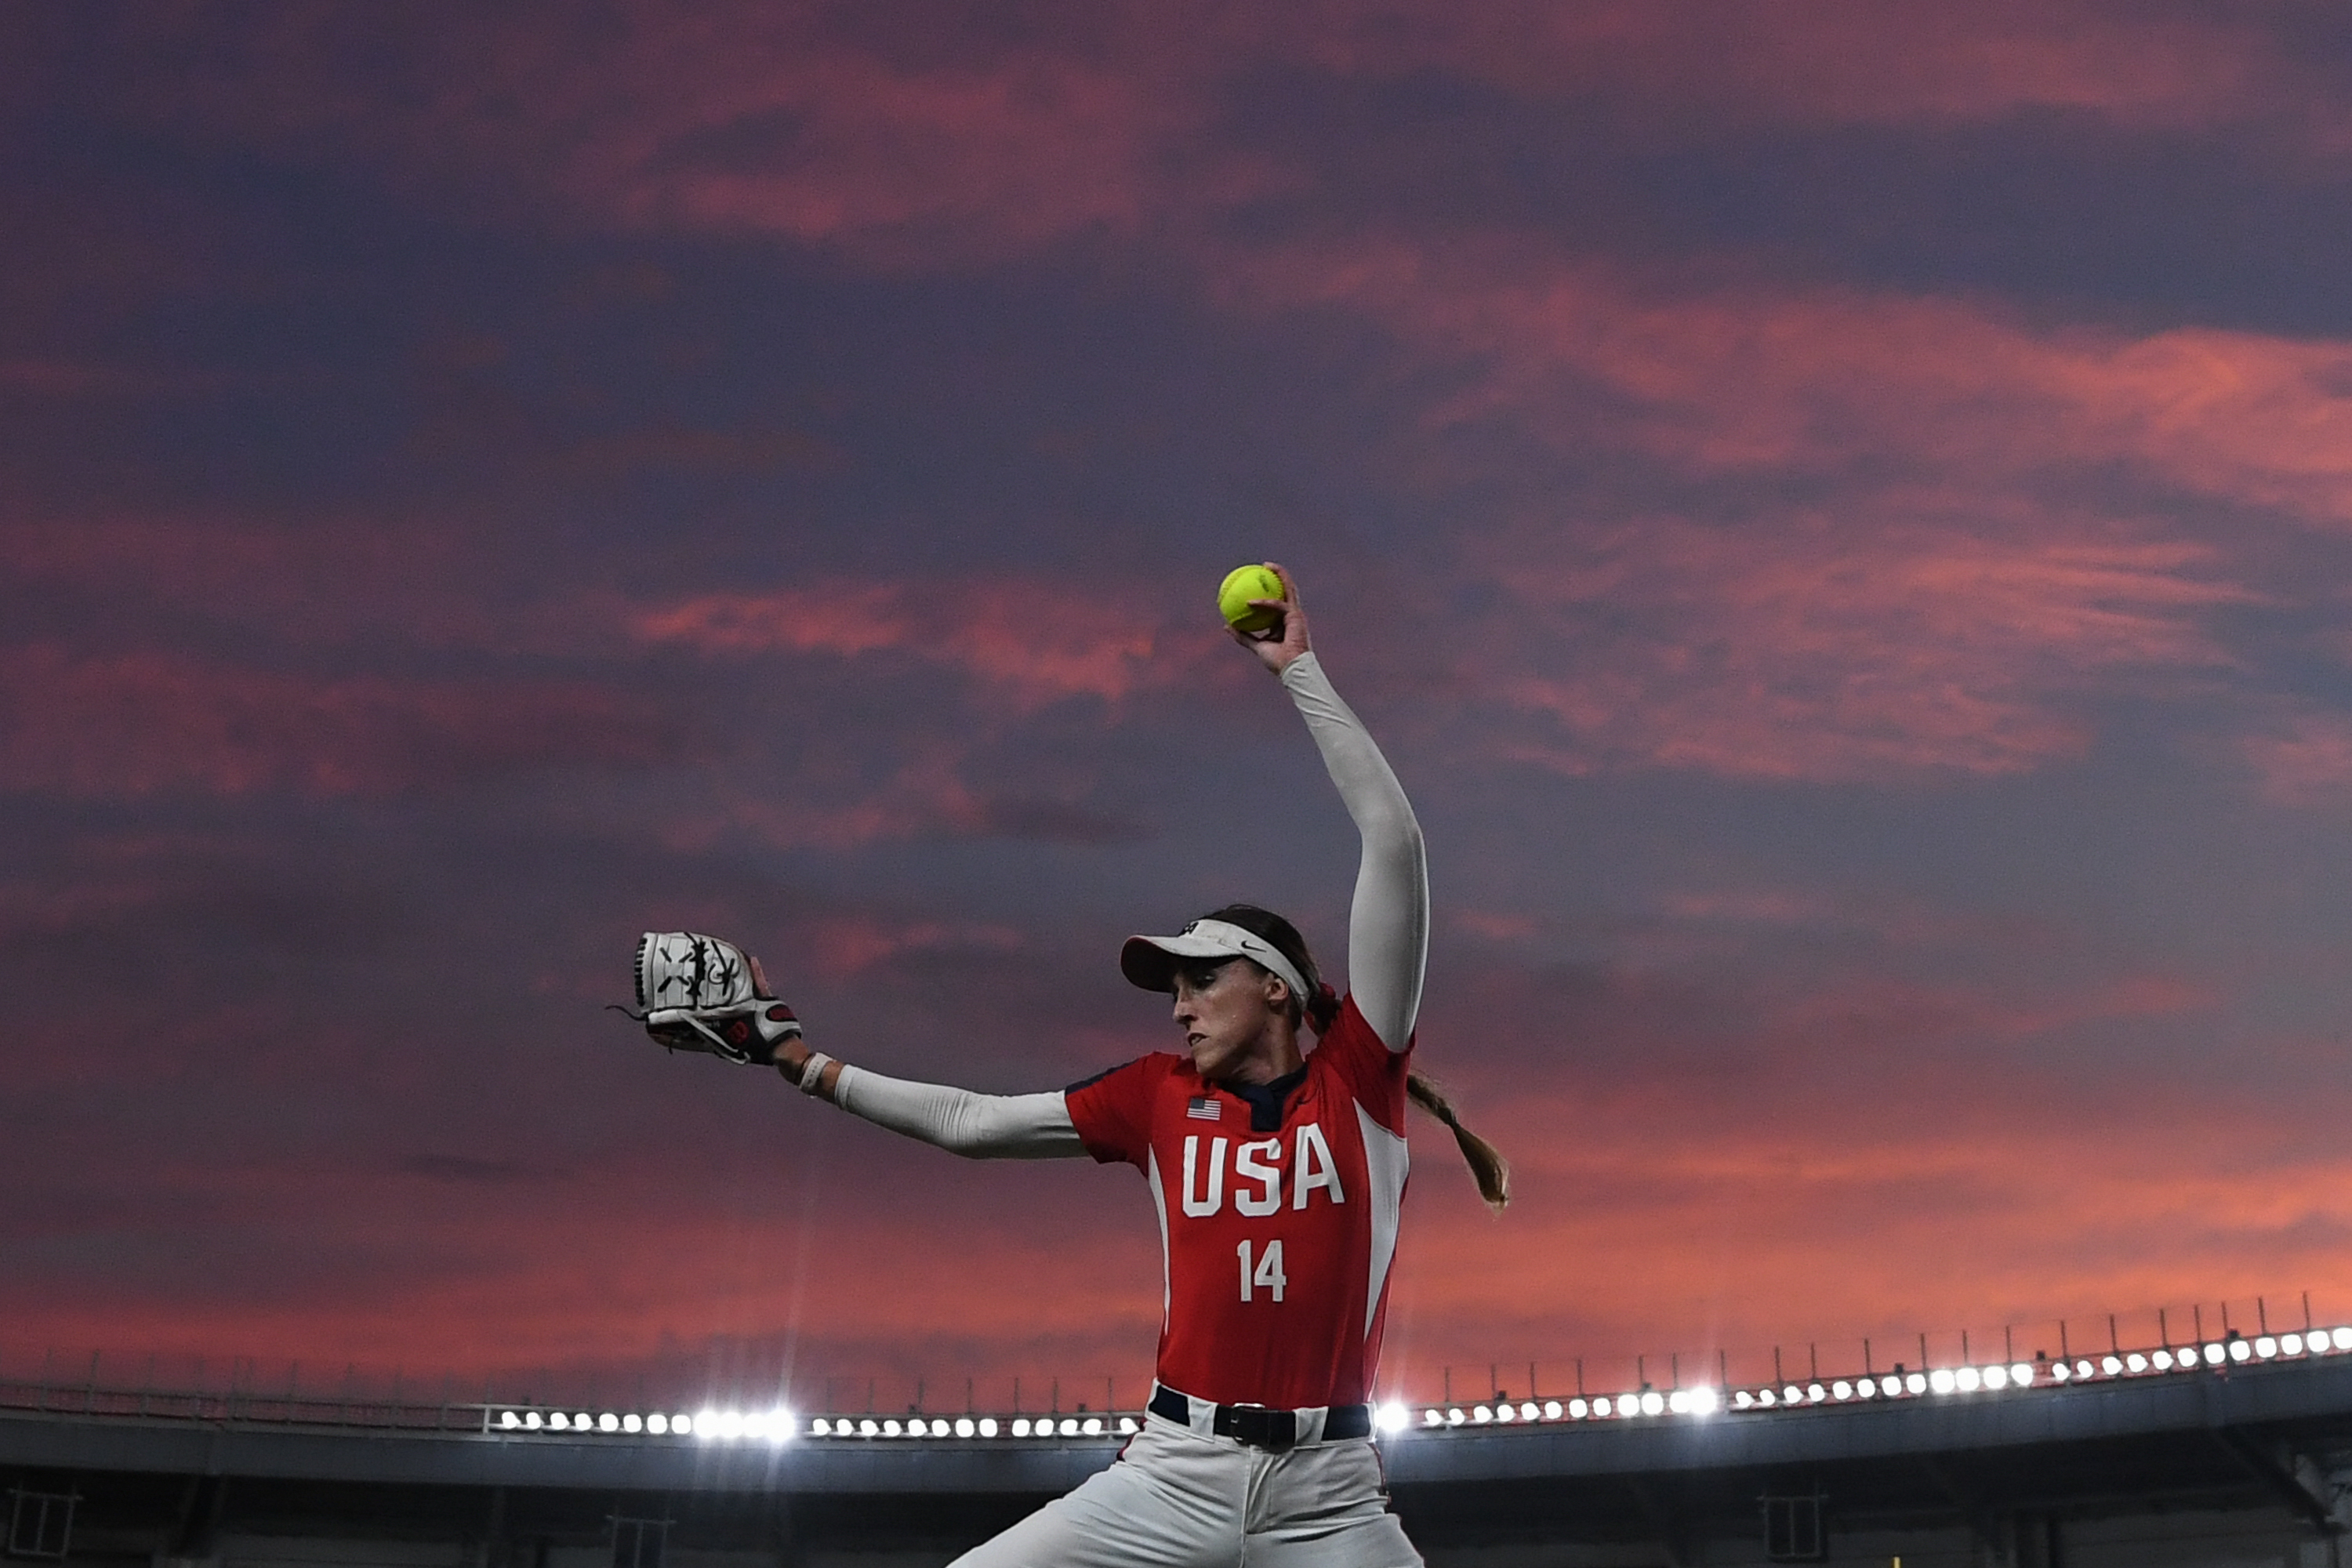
(1276, 1431)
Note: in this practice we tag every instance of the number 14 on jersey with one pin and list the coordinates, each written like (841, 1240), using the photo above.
(1268, 1275)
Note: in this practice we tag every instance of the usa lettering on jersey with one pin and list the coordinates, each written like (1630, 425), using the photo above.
(1259, 1163)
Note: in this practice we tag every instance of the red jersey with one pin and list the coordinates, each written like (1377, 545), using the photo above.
(1277, 1220)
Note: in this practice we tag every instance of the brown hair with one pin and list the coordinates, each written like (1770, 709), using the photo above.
(1320, 1009)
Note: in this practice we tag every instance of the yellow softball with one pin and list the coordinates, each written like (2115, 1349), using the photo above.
(1242, 584)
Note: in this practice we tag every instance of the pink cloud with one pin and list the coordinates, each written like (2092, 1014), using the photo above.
(2307, 760)
(949, 142)
(1023, 638)
(846, 944)
(1756, 379)
(1832, 654)
(139, 724)
(1933, 1206)
(1843, 61)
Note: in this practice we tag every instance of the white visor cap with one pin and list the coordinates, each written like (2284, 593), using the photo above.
(1151, 961)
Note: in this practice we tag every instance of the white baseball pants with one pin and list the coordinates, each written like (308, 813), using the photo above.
(1175, 1499)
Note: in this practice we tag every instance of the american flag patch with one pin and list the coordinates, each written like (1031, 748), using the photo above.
(1201, 1108)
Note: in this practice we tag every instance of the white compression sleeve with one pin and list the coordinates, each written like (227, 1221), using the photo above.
(979, 1126)
(1388, 925)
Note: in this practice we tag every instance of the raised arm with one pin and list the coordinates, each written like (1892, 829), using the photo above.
(1388, 924)
(977, 1126)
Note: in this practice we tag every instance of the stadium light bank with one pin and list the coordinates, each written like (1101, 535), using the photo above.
(777, 1425)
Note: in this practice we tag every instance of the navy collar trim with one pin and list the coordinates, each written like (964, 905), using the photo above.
(1265, 1100)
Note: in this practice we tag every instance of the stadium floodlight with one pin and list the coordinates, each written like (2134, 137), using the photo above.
(1841, 1390)
(1020, 1426)
(1600, 1406)
(1433, 1418)
(1679, 1402)
(509, 1420)
(783, 1427)
(1741, 1399)
(2061, 1371)
(558, 1422)
(2161, 1361)
(2136, 1363)
(1915, 1382)
(820, 1428)
(1942, 1381)
(633, 1422)
(608, 1422)
(1652, 1404)
(988, 1426)
(1504, 1412)
(1392, 1417)
(1996, 1377)
(964, 1427)
(2290, 1344)
(2021, 1373)
(1705, 1401)
(2113, 1366)
(1551, 1410)
(1578, 1409)
(1481, 1414)
(1967, 1379)
(1767, 1398)
(2241, 1351)
(1453, 1417)
(1091, 1427)
(1868, 1388)
(2342, 1338)
(2266, 1347)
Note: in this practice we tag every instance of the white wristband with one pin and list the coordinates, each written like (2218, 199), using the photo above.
(813, 1071)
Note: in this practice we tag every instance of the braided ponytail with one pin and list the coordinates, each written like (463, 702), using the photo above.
(1486, 1162)
(1320, 1009)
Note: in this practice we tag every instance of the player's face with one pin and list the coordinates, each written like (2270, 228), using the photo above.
(1235, 1019)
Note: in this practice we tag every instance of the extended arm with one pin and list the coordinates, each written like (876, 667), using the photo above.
(977, 1126)
(1388, 925)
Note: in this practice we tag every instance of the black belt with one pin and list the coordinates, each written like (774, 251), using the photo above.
(1263, 1429)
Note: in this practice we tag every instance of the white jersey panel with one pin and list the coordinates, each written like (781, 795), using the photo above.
(1387, 1164)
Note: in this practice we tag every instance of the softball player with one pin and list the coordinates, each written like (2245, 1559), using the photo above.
(1278, 1177)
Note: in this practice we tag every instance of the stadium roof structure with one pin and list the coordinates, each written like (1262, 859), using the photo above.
(2240, 1460)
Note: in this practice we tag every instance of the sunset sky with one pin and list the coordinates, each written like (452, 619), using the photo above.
(1841, 515)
